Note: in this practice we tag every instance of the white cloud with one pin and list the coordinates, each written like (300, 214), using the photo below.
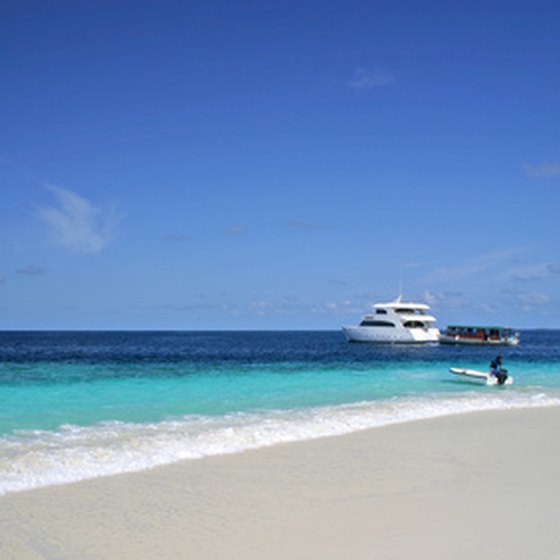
(75, 224)
(542, 169)
(370, 79)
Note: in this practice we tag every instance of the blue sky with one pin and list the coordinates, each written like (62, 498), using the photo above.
(263, 164)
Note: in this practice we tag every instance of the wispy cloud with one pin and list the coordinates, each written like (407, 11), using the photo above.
(31, 270)
(176, 237)
(472, 267)
(2, 278)
(528, 299)
(236, 230)
(74, 223)
(532, 272)
(282, 306)
(344, 307)
(449, 301)
(542, 169)
(336, 282)
(365, 78)
(202, 306)
(292, 306)
(308, 226)
(446, 300)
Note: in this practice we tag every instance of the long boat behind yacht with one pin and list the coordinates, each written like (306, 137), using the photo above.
(395, 322)
(480, 335)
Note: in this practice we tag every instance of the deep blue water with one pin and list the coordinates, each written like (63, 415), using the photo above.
(80, 404)
(245, 347)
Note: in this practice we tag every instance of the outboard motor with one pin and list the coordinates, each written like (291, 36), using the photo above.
(502, 375)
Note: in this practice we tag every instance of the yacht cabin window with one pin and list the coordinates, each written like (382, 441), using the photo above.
(414, 325)
(408, 311)
(372, 323)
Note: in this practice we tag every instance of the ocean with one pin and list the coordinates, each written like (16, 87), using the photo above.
(77, 405)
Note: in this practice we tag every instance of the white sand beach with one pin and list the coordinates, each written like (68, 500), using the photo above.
(481, 485)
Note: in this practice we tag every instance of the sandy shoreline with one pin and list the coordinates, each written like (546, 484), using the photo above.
(481, 485)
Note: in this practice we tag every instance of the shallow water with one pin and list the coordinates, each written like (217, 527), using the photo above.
(74, 405)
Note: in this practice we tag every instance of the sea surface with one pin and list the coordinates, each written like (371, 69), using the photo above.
(77, 405)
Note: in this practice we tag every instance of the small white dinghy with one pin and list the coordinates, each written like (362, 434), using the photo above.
(480, 376)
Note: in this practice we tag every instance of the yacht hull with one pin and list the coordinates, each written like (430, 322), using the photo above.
(391, 335)
(444, 339)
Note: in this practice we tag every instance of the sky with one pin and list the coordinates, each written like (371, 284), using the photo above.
(278, 164)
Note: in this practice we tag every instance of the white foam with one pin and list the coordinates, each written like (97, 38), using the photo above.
(32, 459)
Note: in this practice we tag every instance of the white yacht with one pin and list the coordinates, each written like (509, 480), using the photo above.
(397, 321)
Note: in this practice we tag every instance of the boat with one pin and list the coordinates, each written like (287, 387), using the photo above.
(395, 322)
(481, 335)
(481, 376)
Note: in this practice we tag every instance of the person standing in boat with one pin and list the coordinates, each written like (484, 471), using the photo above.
(497, 370)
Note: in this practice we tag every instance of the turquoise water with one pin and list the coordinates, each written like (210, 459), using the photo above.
(78, 405)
